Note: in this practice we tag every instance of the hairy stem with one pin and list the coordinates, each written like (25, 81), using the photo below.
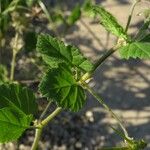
(51, 116)
(105, 56)
(12, 70)
(45, 110)
(130, 15)
(41, 125)
(38, 133)
(108, 53)
(107, 108)
(14, 51)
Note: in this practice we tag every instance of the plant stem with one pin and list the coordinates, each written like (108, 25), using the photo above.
(130, 15)
(14, 51)
(105, 56)
(51, 116)
(45, 11)
(38, 133)
(88, 75)
(45, 110)
(12, 66)
(41, 125)
(107, 108)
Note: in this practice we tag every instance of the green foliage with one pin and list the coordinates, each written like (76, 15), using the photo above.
(144, 30)
(146, 38)
(13, 123)
(55, 52)
(21, 97)
(136, 50)
(109, 22)
(3, 74)
(75, 15)
(60, 86)
(30, 39)
(17, 104)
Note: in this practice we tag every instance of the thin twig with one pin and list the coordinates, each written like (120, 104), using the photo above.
(107, 108)
(130, 15)
(41, 125)
(13, 62)
(45, 110)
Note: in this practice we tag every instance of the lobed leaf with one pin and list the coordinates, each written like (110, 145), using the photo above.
(59, 85)
(109, 22)
(17, 105)
(12, 124)
(21, 97)
(135, 50)
(55, 52)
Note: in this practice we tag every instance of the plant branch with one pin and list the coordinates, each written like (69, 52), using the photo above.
(41, 125)
(13, 62)
(105, 56)
(107, 108)
(38, 133)
(108, 53)
(130, 15)
(45, 110)
(51, 116)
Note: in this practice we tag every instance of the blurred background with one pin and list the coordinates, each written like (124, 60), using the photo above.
(123, 84)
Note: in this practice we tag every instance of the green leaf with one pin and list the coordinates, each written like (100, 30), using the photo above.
(75, 15)
(17, 104)
(109, 22)
(3, 74)
(86, 7)
(143, 32)
(12, 124)
(146, 38)
(21, 97)
(30, 39)
(136, 50)
(55, 52)
(59, 85)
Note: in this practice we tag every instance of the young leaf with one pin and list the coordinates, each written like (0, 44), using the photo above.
(21, 97)
(75, 15)
(17, 104)
(59, 85)
(56, 52)
(12, 124)
(109, 22)
(136, 50)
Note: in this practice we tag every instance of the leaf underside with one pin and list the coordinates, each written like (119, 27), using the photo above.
(55, 52)
(136, 50)
(59, 85)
